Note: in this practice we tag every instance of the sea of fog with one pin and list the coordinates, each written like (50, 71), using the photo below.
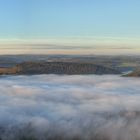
(62, 107)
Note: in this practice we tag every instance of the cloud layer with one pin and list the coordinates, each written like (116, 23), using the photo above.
(47, 107)
(72, 46)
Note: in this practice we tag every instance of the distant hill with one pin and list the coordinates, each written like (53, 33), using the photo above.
(121, 63)
(135, 73)
(70, 68)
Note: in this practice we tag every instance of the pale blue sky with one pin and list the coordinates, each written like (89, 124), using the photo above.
(69, 18)
(113, 25)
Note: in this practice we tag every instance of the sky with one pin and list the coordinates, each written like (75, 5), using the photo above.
(94, 23)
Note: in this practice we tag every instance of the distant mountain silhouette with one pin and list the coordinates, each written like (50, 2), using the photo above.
(71, 68)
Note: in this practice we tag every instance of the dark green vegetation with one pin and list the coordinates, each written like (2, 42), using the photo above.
(67, 64)
(123, 63)
(58, 68)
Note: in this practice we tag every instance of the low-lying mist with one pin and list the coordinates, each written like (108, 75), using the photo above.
(53, 107)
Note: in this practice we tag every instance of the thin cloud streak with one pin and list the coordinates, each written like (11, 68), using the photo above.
(72, 51)
(89, 45)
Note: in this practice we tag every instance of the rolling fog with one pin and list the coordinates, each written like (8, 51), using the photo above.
(53, 107)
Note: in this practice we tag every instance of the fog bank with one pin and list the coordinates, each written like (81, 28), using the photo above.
(53, 107)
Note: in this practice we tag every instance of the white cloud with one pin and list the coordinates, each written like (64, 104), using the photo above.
(68, 107)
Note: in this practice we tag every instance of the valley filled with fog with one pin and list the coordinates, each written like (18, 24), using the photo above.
(62, 107)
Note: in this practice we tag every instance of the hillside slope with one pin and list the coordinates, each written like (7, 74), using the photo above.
(135, 73)
(58, 68)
